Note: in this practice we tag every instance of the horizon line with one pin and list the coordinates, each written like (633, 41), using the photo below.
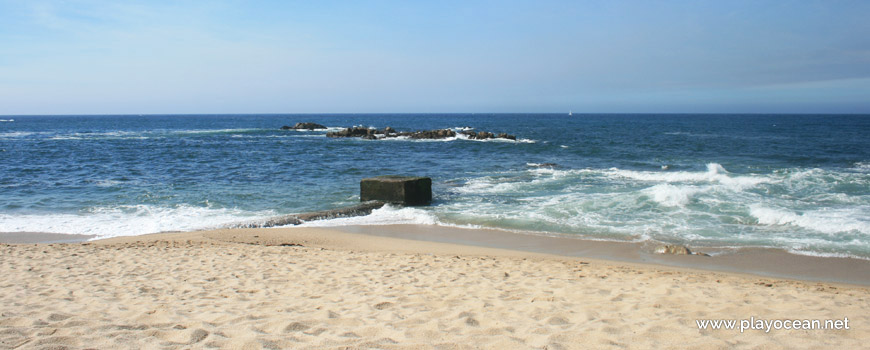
(429, 113)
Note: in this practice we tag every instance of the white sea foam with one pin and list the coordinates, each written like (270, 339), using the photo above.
(670, 195)
(101, 135)
(15, 134)
(715, 173)
(466, 138)
(826, 220)
(714, 206)
(544, 166)
(7, 120)
(214, 131)
(531, 183)
(387, 215)
(459, 136)
(825, 255)
(487, 185)
(142, 135)
(107, 183)
(128, 220)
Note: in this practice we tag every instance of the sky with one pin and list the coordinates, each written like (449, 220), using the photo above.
(219, 56)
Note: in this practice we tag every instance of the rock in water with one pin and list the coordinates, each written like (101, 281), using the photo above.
(352, 132)
(673, 250)
(427, 134)
(437, 134)
(485, 135)
(303, 126)
(404, 190)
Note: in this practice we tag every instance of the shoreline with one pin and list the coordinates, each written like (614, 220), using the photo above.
(760, 262)
(763, 262)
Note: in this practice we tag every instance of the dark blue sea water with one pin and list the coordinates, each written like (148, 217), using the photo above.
(798, 182)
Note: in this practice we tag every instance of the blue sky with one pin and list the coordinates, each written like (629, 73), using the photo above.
(131, 57)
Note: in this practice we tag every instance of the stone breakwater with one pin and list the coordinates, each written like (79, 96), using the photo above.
(361, 209)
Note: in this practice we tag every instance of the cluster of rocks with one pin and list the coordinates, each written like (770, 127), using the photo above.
(373, 134)
(304, 126)
(484, 135)
(366, 133)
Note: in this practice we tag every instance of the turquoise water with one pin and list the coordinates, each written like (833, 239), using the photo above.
(798, 182)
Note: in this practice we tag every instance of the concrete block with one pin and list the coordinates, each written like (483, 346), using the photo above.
(404, 190)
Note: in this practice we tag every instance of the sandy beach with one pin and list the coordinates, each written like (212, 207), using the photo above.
(323, 288)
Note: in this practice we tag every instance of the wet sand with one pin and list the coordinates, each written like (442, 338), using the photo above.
(756, 261)
(41, 237)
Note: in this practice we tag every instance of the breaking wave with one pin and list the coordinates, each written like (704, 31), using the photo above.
(133, 220)
(827, 220)
(822, 209)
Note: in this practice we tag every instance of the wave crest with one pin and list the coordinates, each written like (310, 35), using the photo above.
(826, 221)
(715, 173)
(128, 220)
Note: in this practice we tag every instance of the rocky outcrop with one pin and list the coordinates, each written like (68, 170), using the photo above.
(296, 219)
(485, 135)
(438, 134)
(304, 126)
(356, 131)
(429, 134)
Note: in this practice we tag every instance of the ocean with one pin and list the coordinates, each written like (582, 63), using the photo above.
(795, 182)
